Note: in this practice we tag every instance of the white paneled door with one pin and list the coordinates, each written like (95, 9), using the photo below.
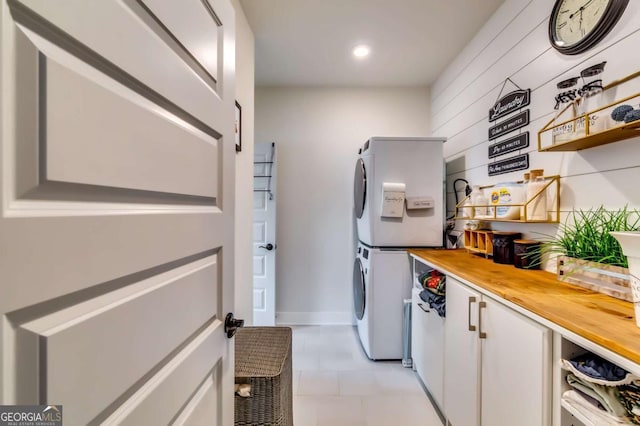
(116, 226)
(264, 234)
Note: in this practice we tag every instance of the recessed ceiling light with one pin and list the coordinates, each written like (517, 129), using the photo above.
(361, 51)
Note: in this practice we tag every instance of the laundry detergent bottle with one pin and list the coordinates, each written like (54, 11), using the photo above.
(507, 198)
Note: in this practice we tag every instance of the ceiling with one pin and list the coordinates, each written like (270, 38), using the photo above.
(309, 42)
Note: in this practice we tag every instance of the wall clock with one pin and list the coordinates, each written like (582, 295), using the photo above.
(577, 25)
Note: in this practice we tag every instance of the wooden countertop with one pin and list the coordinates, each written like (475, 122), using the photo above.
(604, 320)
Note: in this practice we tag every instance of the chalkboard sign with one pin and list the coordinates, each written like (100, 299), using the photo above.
(509, 125)
(520, 162)
(509, 145)
(509, 103)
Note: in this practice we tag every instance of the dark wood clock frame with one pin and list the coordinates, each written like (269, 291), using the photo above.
(612, 14)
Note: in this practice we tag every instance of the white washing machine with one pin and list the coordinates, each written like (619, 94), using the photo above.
(417, 164)
(381, 282)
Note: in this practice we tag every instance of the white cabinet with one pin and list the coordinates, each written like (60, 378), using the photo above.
(428, 347)
(497, 369)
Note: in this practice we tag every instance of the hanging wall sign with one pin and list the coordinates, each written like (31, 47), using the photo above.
(509, 145)
(509, 125)
(510, 103)
(519, 162)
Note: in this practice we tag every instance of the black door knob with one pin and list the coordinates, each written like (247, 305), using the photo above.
(231, 325)
(269, 247)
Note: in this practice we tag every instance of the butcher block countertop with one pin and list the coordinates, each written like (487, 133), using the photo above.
(604, 320)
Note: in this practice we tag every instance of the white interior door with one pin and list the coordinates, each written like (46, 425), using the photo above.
(264, 234)
(116, 222)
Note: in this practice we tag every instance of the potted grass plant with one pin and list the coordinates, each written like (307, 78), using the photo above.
(588, 255)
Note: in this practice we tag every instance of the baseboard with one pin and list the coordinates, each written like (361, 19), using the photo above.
(314, 318)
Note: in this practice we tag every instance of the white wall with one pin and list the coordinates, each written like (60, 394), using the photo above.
(514, 44)
(244, 169)
(318, 132)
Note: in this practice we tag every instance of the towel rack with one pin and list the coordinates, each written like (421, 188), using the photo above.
(269, 173)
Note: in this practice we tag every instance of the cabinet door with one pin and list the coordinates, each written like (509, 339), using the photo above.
(417, 333)
(516, 369)
(434, 355)
(462, 356)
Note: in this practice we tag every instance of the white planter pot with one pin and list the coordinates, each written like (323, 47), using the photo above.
(630, 242)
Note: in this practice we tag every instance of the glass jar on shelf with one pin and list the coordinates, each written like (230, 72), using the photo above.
(568, 95)
(590, 99)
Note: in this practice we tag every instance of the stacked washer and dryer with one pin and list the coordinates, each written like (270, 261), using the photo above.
(399, 204)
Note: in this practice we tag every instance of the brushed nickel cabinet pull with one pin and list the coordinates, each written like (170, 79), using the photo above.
(482, 305)
(471, 300)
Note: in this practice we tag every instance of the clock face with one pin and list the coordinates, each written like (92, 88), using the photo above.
(577, 25)
(577, 18)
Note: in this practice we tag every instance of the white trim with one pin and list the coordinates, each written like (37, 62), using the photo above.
(315, 318)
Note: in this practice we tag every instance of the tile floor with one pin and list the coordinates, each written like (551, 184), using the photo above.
(334, 383)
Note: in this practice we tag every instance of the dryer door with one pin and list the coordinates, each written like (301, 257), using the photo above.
(359, 295)
(359, 188)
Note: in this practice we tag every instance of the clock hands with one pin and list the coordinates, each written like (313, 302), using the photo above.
(580, 26)
(580, 10)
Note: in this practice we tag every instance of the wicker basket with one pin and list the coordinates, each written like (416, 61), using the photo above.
(263, 359)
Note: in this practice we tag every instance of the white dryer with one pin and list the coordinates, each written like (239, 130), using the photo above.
(381, 282)
(417, 164)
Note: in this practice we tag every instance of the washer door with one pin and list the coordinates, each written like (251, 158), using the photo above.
(359, 294)
(359, 188)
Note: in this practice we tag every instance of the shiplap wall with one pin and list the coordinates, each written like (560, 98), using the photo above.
(514, 43)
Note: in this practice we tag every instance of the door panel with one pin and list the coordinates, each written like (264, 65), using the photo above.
(515, 368)
(75, 253)
(116, 223)
(153, 60)
(199, 410)
(259, 299)
(97, 131)
(83, 145)
(118, 337)
(195, 24)
(169, 390)
(259, 202)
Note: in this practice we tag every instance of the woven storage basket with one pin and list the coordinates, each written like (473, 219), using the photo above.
(263, 359)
